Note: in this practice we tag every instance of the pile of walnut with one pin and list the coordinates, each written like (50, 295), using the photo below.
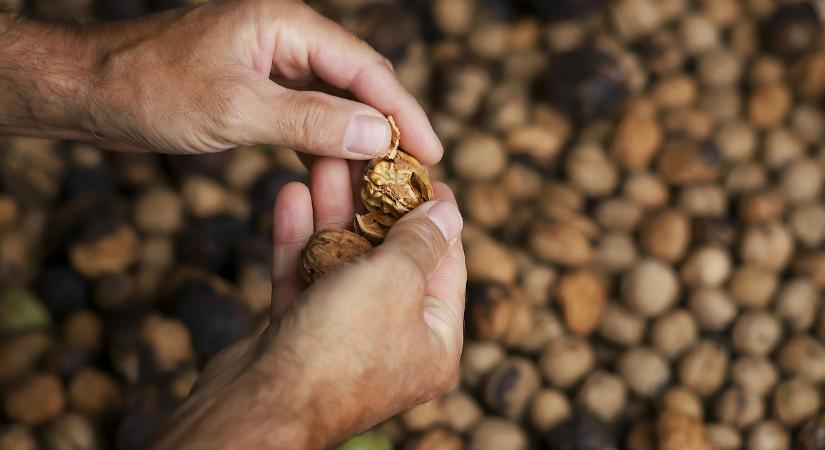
(392, 186)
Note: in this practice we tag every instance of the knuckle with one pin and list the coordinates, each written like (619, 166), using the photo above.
(291, 8)
(226, 115)
(227, 110)
(423, 236)
(306, 127)
(403, 273)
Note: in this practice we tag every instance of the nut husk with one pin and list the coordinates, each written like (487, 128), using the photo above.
(329, 248)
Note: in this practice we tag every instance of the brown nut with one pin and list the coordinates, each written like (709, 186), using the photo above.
(795, 401)
(395, 184)
(36, 399)
(549, 408)
(768, 435)
(723, 437)
(511, 386)
(679, 432)
(373, 226)
(811, 437)
(704, 368)
(583, 298)
(329, 248)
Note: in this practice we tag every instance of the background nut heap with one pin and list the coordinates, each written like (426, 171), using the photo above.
(392, 186)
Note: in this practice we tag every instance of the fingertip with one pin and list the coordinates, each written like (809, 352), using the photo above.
(418, 137)
(367, 136)
(331, 190)
(290, 195)
(292, 214)
(447, 218)
(320, 124)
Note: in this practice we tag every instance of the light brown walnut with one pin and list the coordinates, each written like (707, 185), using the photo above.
(392, 185)
(373, 226)
(680, 432)
(395, 184)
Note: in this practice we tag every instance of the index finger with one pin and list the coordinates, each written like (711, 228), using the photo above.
(347, 62)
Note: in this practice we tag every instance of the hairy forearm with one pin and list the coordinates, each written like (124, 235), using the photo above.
(245, 408)
(45, 79)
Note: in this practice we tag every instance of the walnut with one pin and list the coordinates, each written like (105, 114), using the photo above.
(677, 431)
(392, 186)
(329, 248)
(395, 184)
(373, 226)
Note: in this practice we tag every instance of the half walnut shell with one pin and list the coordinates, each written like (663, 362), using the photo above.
(395, 185)
(328, 249)
(372, 226)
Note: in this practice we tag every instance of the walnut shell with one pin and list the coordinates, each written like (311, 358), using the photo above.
(395, 184)
(373, 226)
(678, 431)
(329, 248)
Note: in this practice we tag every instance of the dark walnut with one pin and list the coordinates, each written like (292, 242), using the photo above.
(327, 249)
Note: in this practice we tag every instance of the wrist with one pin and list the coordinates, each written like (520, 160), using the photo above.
(323, 414)
(239, 405)
(45, 71)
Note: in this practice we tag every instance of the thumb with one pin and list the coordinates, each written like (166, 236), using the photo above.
(418, 242)
(325, 125)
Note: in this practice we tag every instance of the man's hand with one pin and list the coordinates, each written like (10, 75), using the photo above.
(371, 339)
(206, 79)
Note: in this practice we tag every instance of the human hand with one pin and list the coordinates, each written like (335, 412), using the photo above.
(227, 73)
(205, 79)
(371, 339)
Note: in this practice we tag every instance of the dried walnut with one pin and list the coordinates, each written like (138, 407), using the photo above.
(328, 249)
(373, 226)
(392, 186)
(395, 185)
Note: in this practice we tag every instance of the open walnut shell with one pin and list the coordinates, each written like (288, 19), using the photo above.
(392, 186)
(328, 249)
(395, 185)
(373, 226)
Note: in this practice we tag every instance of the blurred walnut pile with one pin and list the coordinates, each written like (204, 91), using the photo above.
(642, 183)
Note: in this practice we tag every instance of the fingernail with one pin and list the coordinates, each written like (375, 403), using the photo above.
(446, 217)
(367, 135)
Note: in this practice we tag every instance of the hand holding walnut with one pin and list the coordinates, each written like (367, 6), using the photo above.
(364, 342)
(205, 79)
